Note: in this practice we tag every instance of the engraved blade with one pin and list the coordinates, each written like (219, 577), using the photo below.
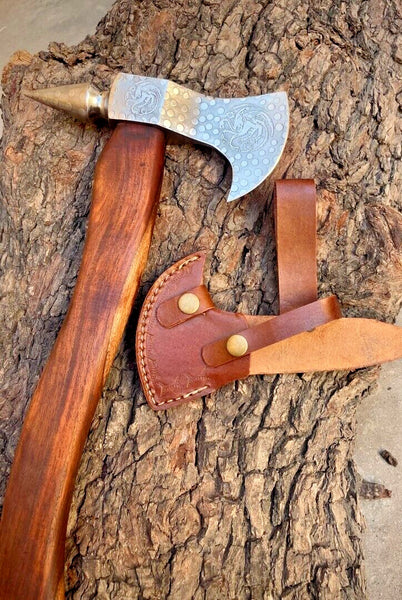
(250, 132)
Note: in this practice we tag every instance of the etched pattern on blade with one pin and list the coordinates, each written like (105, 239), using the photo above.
(144, 99)
(251, 132)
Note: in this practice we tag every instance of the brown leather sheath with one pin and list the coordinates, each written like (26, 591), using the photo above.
(183, 356)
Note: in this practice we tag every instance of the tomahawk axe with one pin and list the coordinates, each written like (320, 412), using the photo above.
(251, 133)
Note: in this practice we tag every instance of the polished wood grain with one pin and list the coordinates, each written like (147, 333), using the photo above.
(32, 534)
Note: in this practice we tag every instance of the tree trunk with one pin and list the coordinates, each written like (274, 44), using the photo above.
(250, 493)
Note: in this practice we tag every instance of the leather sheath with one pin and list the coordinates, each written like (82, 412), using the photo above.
(184, 356)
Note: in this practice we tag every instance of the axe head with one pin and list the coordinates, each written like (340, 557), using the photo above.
(250, 132)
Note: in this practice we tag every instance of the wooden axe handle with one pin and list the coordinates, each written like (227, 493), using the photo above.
(33, 527)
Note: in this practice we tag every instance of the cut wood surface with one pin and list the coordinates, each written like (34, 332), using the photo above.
(251, 493)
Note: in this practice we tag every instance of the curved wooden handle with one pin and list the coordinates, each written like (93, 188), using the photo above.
(32, 534)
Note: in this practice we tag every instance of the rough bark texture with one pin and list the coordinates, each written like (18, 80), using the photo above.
(251, 493)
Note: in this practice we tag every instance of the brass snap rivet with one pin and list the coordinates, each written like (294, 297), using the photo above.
(237, 345)
(189, 303)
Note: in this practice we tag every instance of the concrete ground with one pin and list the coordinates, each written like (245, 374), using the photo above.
(379, 427)
(31, 25)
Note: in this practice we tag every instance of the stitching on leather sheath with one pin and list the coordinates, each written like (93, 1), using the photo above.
(147, 309)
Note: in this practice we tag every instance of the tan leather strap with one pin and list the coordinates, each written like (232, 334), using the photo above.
(299, 320)
(295, 228)
(300, 311)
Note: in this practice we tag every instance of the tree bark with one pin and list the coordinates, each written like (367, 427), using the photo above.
(251, 493)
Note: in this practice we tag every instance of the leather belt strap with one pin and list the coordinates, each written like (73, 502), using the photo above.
(299, 320)
(295, 228)
(300, 311)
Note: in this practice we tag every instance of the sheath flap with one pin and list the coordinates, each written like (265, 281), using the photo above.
(169, 358)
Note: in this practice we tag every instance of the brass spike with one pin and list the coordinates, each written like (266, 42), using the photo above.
(82, 100)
